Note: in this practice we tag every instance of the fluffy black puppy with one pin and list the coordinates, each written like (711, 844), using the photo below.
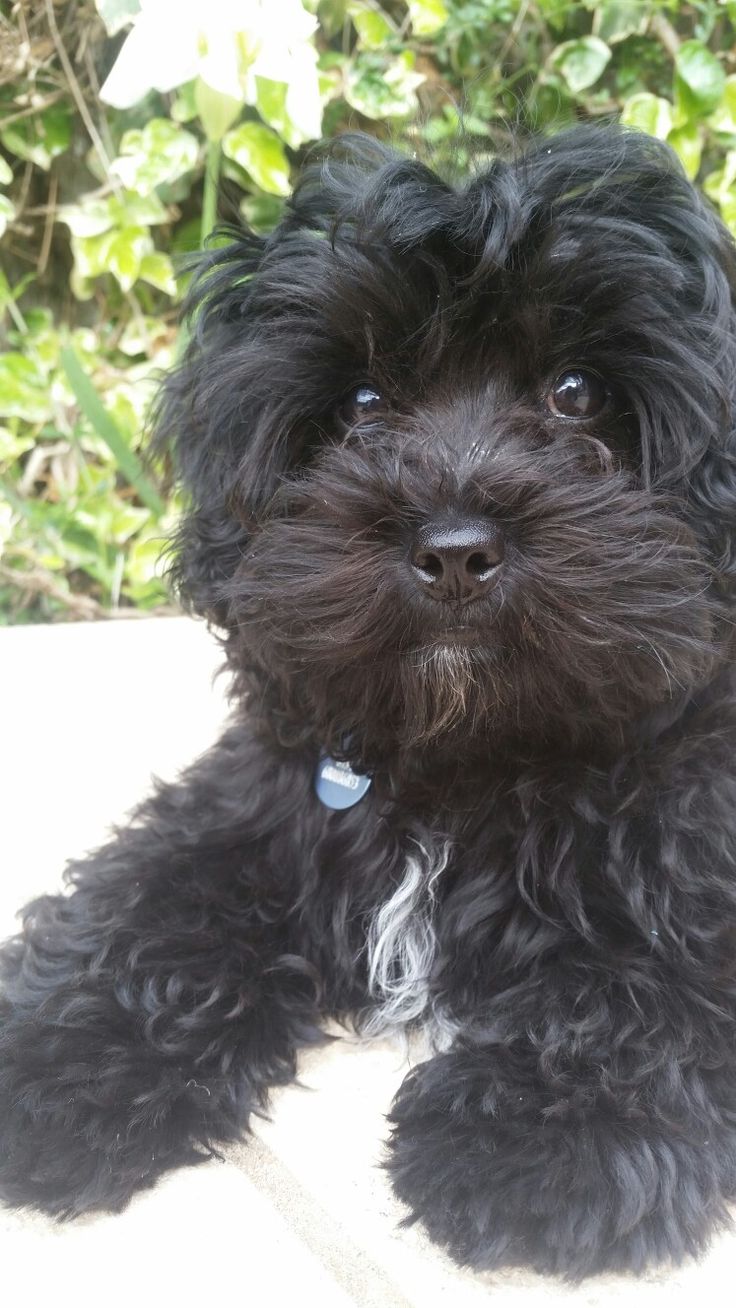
(463, 496)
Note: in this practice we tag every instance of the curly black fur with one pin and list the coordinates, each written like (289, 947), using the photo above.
(543, 872)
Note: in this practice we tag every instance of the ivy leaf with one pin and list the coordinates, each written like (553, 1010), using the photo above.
(380, 89)
(157, 269)
(259, 151)
(699, 80)
(427, 16)
(555, 12)
(261, 212)
(151, 156)
(271, 104)
(581, 62)
(723, 119)
(372, 26)
(720, 186)
(123, 252)
(93, 217)
(41, 138)
(87, 220)
(687, 142)
(332, 14)
(648, 113)
(133, 210)
(617, 19)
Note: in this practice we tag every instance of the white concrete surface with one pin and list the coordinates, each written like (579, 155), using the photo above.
(302, 1212)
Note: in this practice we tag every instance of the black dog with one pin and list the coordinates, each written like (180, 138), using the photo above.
(463, 498)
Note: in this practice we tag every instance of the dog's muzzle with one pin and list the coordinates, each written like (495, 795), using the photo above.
(457, 560)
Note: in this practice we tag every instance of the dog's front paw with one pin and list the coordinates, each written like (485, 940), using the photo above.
(84, 1123)
(503, 1174)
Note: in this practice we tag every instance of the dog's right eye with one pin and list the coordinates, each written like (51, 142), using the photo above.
(361, 402)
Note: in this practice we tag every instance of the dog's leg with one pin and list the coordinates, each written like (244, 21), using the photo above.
(550, 1155)
(147, 1014)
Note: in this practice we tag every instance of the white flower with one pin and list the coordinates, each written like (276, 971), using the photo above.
(226, 43)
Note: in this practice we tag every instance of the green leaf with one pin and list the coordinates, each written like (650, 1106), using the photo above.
(649, 113)
(720, 186)
(687, 142)
(581, 62)
(617, 19)
(112, 521)
(133, 210)
(556, 12)
(271, 105)
(90, 254)
(154, 155)
(332, 15)
(40, 138)
(723, 118)
(141, 581)
(699, 80)
(94, 410)
(259, 151)
(427, 16)
(372, 26)
(184, 104)
(22, 389)
(13, 447)
(6, 172)
(123, 253)
(262, 212)
(379, 88)
(157, 269)
(91, 218)
(727, 206)
(216, 110)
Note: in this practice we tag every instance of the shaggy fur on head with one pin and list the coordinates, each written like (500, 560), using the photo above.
(543, 871)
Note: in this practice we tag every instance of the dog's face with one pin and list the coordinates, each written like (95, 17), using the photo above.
(461, 459)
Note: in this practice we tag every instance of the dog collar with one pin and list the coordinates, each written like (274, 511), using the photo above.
(336, 784)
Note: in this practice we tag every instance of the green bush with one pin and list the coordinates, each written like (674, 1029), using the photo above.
(124, 133)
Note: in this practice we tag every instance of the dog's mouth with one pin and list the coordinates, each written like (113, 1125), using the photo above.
(468, 634)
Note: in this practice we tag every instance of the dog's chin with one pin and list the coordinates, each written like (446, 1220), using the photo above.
(461, 635)
(451, 687)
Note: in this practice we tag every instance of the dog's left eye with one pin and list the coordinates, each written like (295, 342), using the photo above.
(360, 402)
(577, 394)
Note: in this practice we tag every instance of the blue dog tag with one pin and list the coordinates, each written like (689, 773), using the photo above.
(337, 785)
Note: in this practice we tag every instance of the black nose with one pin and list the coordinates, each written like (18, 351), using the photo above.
(457, 560)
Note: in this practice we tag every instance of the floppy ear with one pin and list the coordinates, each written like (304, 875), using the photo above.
(225, 414)
(201, 419)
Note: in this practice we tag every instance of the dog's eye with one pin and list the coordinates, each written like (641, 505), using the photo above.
(577, 394)
(360, 402)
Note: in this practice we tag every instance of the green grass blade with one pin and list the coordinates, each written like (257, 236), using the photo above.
(104, 424)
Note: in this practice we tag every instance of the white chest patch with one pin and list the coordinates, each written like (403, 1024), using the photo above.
(402, 944)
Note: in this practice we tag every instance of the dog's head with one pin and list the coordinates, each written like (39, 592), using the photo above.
(461, 460)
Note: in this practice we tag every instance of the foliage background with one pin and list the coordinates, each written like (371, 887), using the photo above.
(99, 200)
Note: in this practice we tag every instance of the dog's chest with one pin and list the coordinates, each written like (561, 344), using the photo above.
(401, 946)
